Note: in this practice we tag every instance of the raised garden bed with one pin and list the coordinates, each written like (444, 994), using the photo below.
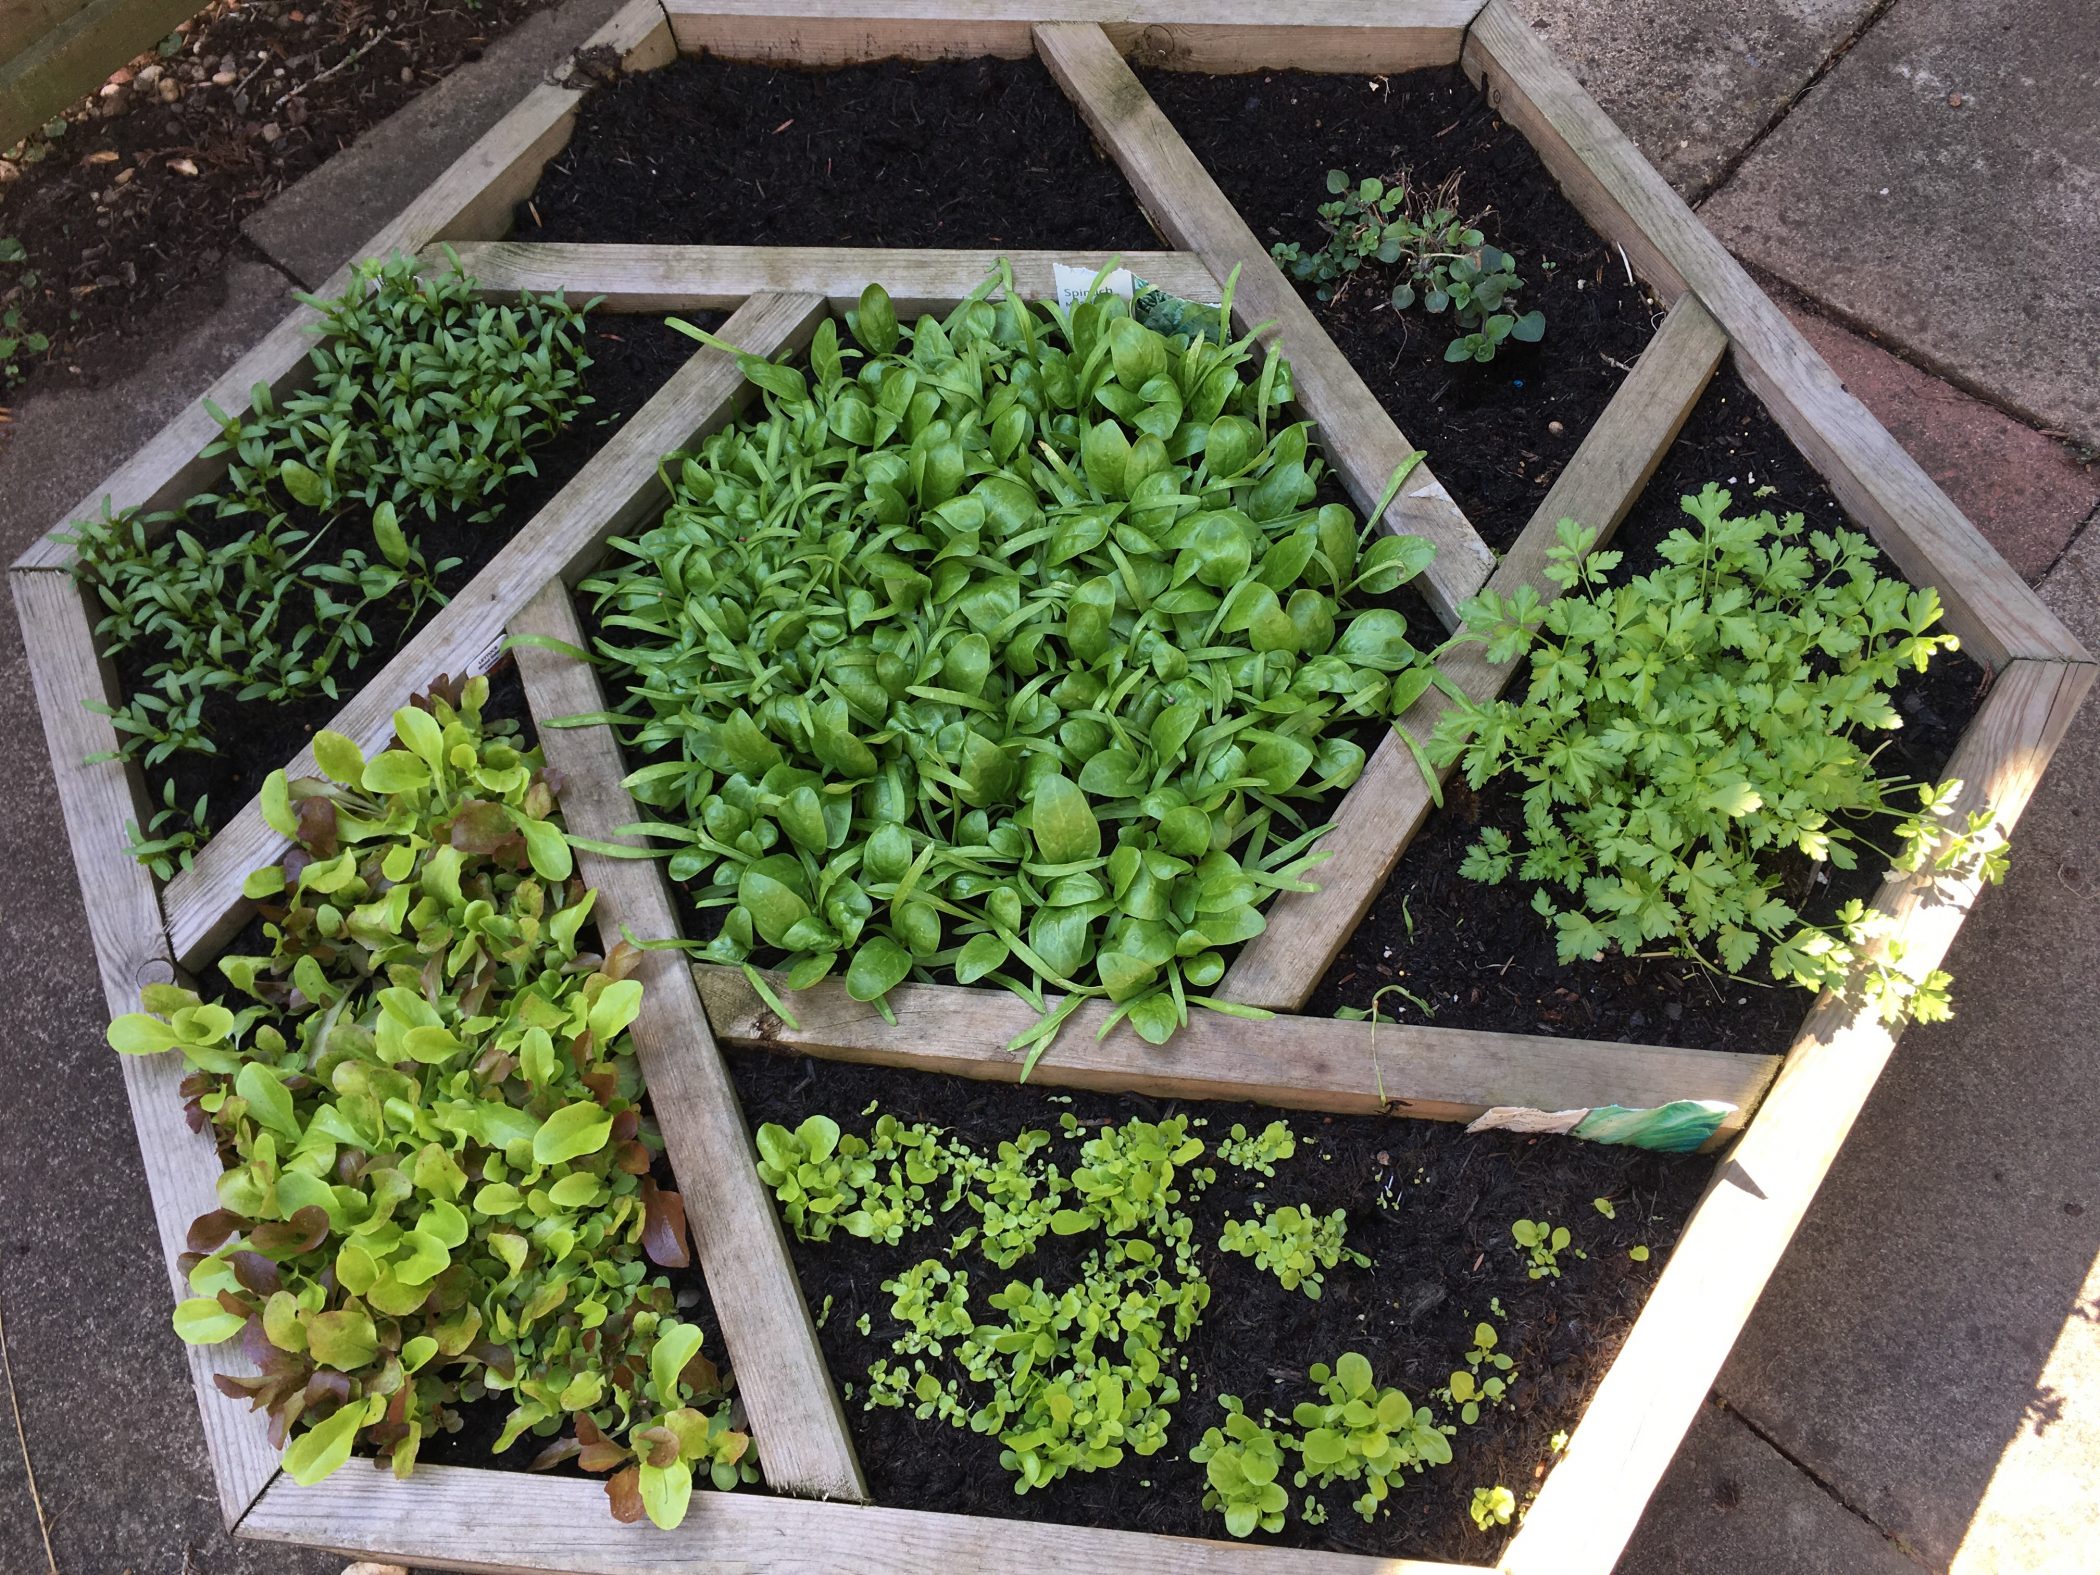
(1343, 1082)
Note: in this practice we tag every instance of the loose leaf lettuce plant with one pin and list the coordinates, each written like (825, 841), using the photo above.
(420, 397)
(1011, 646)
(437, 1182)
(1683, 730)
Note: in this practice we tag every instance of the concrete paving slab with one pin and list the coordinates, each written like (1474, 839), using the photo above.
(2027, 493)
(1927, 1346)
(1941, 186)
(1695, 84)
(322, 221)
(1731, 1504)
(62, 443)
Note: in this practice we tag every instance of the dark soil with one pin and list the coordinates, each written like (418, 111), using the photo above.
(99, 255)
(1269, 141)
(631, 357)
(1430, 1205)
(1483, 959)
(897, 153)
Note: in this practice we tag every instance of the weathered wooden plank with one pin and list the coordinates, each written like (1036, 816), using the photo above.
(616, 488)
(182, 1167)
(1380, 814)
(780, 1372)
(1988, 605)
(42, 76)
(1186, 35)
(1298, 1063)
(472, 200)
(458, 1518)
(714, 278)
(1593, 1498)
(1360, 440)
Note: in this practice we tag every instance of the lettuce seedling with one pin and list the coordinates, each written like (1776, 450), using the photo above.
(437, 1182)
(1010, 647)
(1294, 1244)
(1241, 1464)
(1492, 1507)
(1261, 1153)
(1365, 1434)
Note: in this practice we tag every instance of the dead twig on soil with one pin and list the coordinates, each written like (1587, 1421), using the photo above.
(36, 1499)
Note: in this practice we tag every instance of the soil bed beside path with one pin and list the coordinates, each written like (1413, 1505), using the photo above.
(1431, 1206)
(140, 198)
(1269, 140)
(1483, 959)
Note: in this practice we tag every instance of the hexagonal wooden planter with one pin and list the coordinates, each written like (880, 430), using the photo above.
(1793, 1113)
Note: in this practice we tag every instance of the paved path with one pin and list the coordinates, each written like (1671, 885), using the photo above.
(1920, 1388)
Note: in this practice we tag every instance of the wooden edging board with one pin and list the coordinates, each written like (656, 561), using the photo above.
(488, 1520)
(1380, 814)
(1187, 35)
(780, 1374)
(1294, 1063)
(182, 1167)
(1595, 1493)
(463, 1518)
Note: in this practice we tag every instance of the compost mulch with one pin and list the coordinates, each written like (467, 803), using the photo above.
(1430, 1205)
(1269, 140)
(1481, 958)
(631, 357)
(897, 153)
(139, 201)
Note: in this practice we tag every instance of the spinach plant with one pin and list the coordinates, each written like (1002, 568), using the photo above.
(1444, 261)
(1011, 646)
(1683, 730)
(437, 1182)
(419, 396)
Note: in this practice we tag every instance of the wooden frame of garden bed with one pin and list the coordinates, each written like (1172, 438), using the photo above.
(1792, 1112)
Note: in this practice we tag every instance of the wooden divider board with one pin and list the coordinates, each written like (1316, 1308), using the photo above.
(1380, 814)
(1360, 439)
(634, 278)
(1295, 1063)
(780, 1374)
(1590, 1503)
(616, 488)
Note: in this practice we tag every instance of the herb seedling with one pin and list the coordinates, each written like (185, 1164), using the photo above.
(1365, 1434)
(1682, 730)
(1444, 261)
